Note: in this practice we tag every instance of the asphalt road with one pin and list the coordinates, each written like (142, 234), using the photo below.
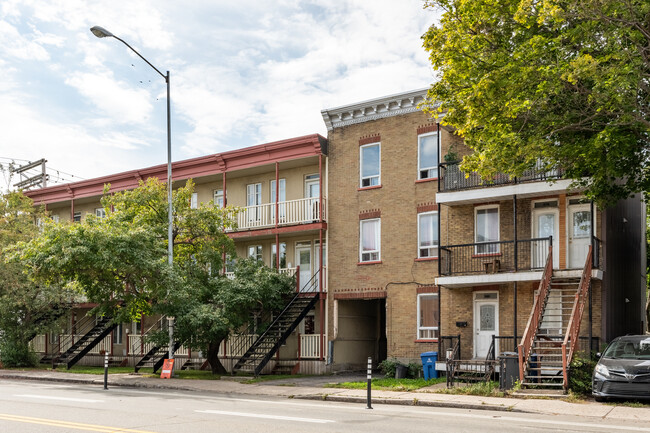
(36, 407)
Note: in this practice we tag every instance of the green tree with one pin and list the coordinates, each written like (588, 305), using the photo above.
(561, 81)
(120, 263)
(26, 308)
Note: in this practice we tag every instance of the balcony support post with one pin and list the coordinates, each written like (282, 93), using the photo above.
(514, 295)
(591, 230)
(277, 197)
(320, 289)
(320, 190)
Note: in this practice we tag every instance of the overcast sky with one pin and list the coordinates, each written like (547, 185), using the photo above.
(242, 73)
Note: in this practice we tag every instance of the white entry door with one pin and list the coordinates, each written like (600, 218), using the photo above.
(317, 264)
(545, 224)
(486, 322)
(303, 259)
(579, 234)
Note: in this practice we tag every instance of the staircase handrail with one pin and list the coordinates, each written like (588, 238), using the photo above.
(158, 324)
(536, 314)
(573, 328)
(81, 327)
(310, 283)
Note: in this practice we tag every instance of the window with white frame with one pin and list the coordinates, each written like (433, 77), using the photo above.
(218, 197)
(487, 229)
(117, 334)
(194, 201)
(370, 247)
(282, 197)
(428, 315)
(100, 212)
(427, 235)
(370, 157)
(76, 217)
(55, 218)
(253, 200)
(428, 156)
(283, 255)
(255, 251)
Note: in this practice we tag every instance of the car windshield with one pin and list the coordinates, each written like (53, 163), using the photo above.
(629, 347)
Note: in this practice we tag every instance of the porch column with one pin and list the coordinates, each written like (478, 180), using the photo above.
(277, 197)
(72, 209)
(320, 288)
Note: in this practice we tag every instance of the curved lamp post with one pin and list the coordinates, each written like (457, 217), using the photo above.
(101, 32)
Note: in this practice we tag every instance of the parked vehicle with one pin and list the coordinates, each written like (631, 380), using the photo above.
(623, 370)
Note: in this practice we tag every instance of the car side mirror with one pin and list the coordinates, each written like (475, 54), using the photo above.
(598, 355)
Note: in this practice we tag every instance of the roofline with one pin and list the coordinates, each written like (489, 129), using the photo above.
(233, 160)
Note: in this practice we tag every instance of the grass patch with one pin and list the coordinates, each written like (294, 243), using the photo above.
(483, 389)
(388, 384)
(629, 403)
(270, 377)
(144, 372)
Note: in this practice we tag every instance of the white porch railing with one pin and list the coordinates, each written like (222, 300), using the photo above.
(309, 346)
(284, 271)
(139, 345)
(104, 346)
(226, 348)
(301, 211)
(38, 343)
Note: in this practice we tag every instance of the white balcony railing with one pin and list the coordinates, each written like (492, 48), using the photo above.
(302, 211)
(139, 345)
(103, 346)
(38, 343)
(284, 271)
(309, 346)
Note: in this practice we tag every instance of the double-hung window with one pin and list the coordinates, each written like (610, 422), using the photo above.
(253, 201)
(427, 235)
(487, 230)
(255, 251)
(428, 315)
(100, 212)
(370, 247)
(194, 201)
(370, 157)
(428, 156)
(76, 217)
(282, 198)
(218, 197)
(283, 255)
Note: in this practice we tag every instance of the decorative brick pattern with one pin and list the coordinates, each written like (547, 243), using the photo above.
(369, 139)
(369, 214)
(423, 129)
(427, 207)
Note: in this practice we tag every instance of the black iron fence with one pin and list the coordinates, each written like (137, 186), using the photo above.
(493, 257)
(448, 343)
(453, 179)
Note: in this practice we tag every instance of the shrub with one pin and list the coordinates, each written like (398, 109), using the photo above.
(17, 355)
(580, 373)
(388, 367)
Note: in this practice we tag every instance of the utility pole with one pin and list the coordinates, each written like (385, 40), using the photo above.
(29, 182)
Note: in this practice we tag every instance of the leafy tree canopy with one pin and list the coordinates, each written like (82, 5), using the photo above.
(561, 81)
(26, 308)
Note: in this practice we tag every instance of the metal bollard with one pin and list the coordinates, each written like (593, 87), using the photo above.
(369, 381)
(106, 371)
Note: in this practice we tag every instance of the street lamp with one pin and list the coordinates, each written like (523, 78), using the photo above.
(101, 32)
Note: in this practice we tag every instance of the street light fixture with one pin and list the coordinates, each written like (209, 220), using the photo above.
(101, 32)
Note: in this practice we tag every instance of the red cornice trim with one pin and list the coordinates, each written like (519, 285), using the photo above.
(269, 153)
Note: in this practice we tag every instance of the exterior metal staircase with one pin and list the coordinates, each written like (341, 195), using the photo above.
(155, 357)
(84, 344)
(552, 334)
(268, 343)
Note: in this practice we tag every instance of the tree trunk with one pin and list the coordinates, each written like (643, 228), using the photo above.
(213, 358)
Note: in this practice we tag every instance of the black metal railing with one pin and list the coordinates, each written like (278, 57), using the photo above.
(493, 257)
(447, 342)
(453, 179)
(501, 344)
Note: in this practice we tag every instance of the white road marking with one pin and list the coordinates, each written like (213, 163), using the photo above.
(600, 425)
(257, 415)
(47, 397)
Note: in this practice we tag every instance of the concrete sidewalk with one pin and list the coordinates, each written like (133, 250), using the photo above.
(314, 388)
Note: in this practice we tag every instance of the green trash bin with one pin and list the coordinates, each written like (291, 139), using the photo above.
(429, 364)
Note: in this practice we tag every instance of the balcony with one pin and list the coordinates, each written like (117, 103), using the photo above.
(456, 186)
(494, 262)
(292, 212)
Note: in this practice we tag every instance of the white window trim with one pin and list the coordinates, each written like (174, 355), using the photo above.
(498, 239)
(378, 235)
(378, 176)
(419, 328)
(216, 195)
(255, 256)
(428, 168)
(437, 248)
(100, 212)
(282, 180)
(194, 200)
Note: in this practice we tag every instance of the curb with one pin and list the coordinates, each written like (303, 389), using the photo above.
(413, 402)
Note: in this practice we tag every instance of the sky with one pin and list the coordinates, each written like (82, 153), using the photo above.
(242, 73)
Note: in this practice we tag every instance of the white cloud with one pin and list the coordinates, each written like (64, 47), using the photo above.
(122, 104)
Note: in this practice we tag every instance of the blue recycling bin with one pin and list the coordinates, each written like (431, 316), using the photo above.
(429, 364)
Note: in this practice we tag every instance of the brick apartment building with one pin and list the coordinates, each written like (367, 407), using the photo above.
(397, 251)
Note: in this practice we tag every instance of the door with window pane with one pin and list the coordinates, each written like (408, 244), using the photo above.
(312, 193)
(579, 234)
(486, 322)
(253, 201)
(545, 224)
(303, 259)
(282, 190)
